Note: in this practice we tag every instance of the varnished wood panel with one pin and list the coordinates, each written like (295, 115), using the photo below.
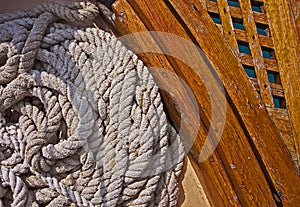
(213, 176)
(256, 52)
(282, 121)
(234, 150)
(228, 30)
(286, 42)
(249, 106)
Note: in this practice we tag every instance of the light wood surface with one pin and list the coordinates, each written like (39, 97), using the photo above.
(192, 193)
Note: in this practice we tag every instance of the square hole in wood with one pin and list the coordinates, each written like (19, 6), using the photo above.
(250, 71)
(244, 47)
(215, 17)
(279, 102)
(274, 77)
(235, 3)
(257, 6)
(268, 53)
(238, 23)
(263, 29)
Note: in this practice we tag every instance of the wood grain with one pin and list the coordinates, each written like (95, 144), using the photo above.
(274, 89)
(270, 64)
(294, 6)
(256, 53)
(286, 42)
(281, 119)
(227, 27)
(277, 89)
(234, 149)
(213, 176)
(251, 109)
(237, 12)
(263, 40)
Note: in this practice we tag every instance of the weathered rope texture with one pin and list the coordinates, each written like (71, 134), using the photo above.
(81, 118)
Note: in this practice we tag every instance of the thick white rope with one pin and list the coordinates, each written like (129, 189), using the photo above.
(81, 118)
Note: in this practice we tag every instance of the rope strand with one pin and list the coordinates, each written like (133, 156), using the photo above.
(81, 118)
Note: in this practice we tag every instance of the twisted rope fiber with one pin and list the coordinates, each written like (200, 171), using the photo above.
(81, 118)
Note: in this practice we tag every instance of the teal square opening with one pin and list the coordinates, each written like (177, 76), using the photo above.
(215, 17)
(233, 3)
(244, 47)
(263, 29)
(279, 102)
(268, 53)
(250, 71)
(238, 23)
(274, 77)
(255, 8)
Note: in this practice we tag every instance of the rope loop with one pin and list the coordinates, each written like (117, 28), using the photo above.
(81, 118)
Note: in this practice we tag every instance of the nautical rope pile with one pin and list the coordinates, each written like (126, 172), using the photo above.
(81, 118)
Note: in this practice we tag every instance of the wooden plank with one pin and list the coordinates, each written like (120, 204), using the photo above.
(260, 18)
(246, 59)
(213, 176)
(203, 2)
(277, 89)
(227, 26)
(264, 40)
(294, 6)
(241, 35)
(251, 110)
(256, 53)
(234, 150)
(281, 119)
(192, 190)
(270, 64)
(212, 6)
(237, 12)
(285, 44)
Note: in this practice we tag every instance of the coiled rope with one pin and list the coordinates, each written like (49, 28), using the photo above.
(81, 118)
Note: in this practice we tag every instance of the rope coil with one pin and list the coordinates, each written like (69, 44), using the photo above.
(81, 118)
